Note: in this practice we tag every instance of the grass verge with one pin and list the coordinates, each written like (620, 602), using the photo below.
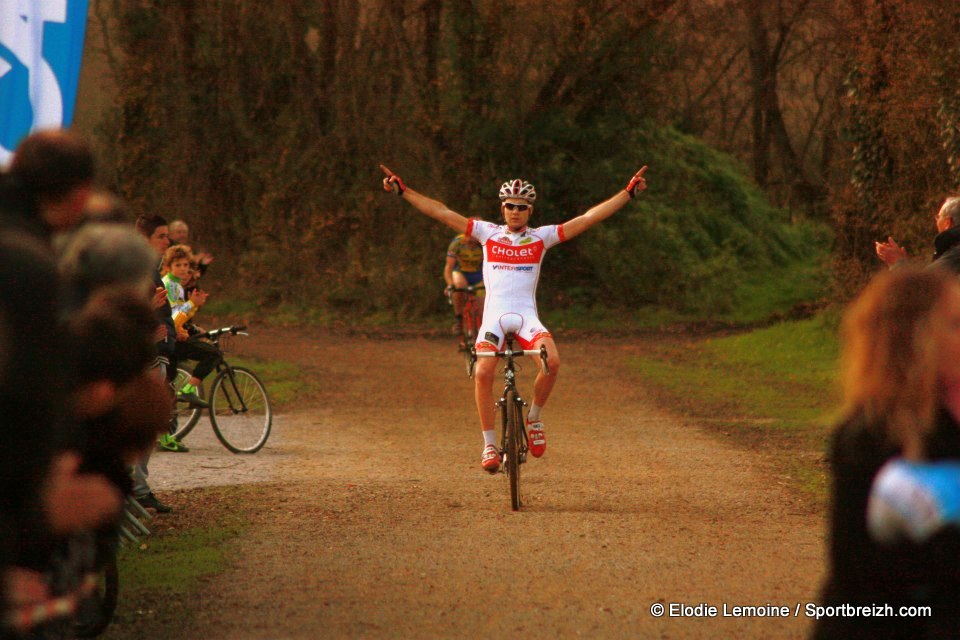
(163, 577)
(775, 293)
(771, 389)
(284, 381)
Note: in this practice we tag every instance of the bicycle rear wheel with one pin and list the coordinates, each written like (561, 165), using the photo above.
(187, 415)
(512, 434)
(240, 410)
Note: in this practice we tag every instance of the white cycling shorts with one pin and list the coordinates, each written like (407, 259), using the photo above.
(496, 325)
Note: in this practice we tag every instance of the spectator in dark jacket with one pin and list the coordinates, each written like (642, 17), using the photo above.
(901, 359)
(948, 236)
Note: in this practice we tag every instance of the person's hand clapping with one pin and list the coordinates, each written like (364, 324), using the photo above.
(199, 297)
(159, 297)
(890, 252)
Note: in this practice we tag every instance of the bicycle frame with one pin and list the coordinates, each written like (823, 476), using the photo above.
(223, 365)
(214, 337)
(470, 312)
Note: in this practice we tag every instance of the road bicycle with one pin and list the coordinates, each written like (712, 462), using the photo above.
(240, 412)
(469, 319)
(513, 430)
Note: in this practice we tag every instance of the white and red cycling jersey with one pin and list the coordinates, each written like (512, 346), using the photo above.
(511, 270)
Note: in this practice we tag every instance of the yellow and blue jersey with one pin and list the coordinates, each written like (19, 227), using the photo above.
(469, 257)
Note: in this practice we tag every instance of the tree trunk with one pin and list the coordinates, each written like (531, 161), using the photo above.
(761, 76)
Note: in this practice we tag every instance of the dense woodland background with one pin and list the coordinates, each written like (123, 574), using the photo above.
(777, 132)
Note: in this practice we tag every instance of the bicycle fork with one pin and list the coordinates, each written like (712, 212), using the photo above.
(236, 393)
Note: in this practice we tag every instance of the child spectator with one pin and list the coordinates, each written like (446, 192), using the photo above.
(176, 262)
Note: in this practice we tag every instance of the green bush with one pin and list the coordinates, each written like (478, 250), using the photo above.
(699, 233)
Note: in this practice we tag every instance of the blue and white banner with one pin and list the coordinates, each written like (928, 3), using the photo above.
(41, 44)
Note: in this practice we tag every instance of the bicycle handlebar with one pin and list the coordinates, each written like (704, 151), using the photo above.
(216, 333)
(468, 289)
(509, 353)
(514, 353)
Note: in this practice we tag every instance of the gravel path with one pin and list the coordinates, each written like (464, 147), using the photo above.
(375, 520)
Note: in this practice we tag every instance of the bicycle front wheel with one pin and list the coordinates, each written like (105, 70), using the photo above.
(240, 410)
(187, 415)
(512, 433)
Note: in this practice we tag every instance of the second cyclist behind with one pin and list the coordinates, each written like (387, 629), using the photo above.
(513, 253)
(463, 268)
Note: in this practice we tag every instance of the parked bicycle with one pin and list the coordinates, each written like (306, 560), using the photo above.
(470, 319)
(240, 412)
(513, 430)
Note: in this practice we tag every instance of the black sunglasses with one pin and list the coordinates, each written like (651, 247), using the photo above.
(516, 207)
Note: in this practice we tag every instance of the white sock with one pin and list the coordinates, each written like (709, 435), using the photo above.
(534, 414)
(489, 437)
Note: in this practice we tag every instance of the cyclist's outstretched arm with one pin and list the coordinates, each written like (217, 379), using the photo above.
(428, 206)
(606, 208)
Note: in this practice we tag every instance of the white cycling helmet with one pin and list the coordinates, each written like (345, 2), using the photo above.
(518, 188)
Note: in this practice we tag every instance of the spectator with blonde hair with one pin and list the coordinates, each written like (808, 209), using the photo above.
(901, 359)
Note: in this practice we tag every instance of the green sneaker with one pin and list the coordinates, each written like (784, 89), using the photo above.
(168, 443)
(193, 399)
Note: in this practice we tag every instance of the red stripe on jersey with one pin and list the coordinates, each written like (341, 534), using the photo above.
(561, 234)
(469, 230)
(522, 254)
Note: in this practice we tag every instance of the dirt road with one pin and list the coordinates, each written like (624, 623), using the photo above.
(379, 522)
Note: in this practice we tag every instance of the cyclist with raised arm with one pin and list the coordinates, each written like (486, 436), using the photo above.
(463, 268)
(513, 253)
